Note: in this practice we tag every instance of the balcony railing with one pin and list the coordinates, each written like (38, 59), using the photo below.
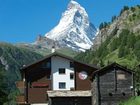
(20, 99)
(20, 84)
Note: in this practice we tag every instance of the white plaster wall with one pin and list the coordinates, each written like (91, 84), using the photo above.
(56, 63)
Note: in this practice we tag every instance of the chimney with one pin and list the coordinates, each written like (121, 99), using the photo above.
(53, 49)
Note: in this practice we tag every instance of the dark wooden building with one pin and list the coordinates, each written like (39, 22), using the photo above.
(56, 74)
(112, 84)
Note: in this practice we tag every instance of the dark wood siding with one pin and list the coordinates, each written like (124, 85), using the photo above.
(83, 84)
(71, 101)
(38, 75)
(114, 85)
(94, 91)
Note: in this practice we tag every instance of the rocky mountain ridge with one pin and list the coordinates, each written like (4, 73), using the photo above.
(117, 41)
(128, 19)
(74, 30)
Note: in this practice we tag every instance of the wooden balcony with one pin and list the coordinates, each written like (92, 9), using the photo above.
(20, 84)
(20, 99)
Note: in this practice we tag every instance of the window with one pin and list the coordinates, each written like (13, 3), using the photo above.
(71, 64)
(61, 70)
(123, 94)
(121, 77)
(71, 76)
(62, 85)
(110, 94)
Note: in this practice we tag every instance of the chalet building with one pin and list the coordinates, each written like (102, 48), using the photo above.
(112, 84)
(56, 80)
(137, 79)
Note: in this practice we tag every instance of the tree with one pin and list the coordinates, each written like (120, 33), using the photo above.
(101, 63)
(133, 9)
(3, 93)
(137, 49)
(123, 36)
(114, 44)
(101, 26)
(113, 18)
(125, 8)
(131, 40)
(121, 52)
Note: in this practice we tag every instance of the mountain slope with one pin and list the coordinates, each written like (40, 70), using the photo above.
(129, 19)
(73, 31)
(118, 41)
(12, 58)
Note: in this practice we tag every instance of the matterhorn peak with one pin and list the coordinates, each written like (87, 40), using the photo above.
(73, 4)
(74, 29)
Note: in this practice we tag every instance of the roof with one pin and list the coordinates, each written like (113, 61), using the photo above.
(60, 55)
(114, 65)
(69, 93)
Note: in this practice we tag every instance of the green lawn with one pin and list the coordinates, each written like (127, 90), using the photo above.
(132, 101)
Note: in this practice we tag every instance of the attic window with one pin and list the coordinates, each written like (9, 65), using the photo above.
(61, 70)
(121, 77)
(110, 94)
(71, 64)
(123, 94)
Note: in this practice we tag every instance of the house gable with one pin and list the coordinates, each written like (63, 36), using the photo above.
(56, 54)
(55, 72)
(112, 84)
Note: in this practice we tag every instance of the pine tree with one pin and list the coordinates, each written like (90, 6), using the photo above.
(121, 52)
(137, 49)
(131, 40)
(114, 45)
(113, 18)
(3, 93)
(101, 63)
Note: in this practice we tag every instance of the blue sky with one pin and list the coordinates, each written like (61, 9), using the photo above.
(23, 20)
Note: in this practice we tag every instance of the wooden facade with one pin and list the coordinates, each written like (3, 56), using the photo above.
(112, 84)
(71, 101)
(83, 84)
(37, 80)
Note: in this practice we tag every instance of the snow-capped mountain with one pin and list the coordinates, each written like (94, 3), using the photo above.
(74, 29)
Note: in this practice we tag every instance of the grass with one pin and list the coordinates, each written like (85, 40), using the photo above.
(129, 60)
(132, 101)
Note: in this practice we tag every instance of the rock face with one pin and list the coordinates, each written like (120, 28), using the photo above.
(128, 19)
(74, 29)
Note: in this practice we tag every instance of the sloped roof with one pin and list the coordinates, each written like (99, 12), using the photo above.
(114, 65)
(60, 55)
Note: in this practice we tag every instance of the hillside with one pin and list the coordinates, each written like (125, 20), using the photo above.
(12, 58)
(45, 51)
(117, 41)
(132, 101)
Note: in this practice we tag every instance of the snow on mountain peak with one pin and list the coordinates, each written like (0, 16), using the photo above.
(74, 29)
(73, 4)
